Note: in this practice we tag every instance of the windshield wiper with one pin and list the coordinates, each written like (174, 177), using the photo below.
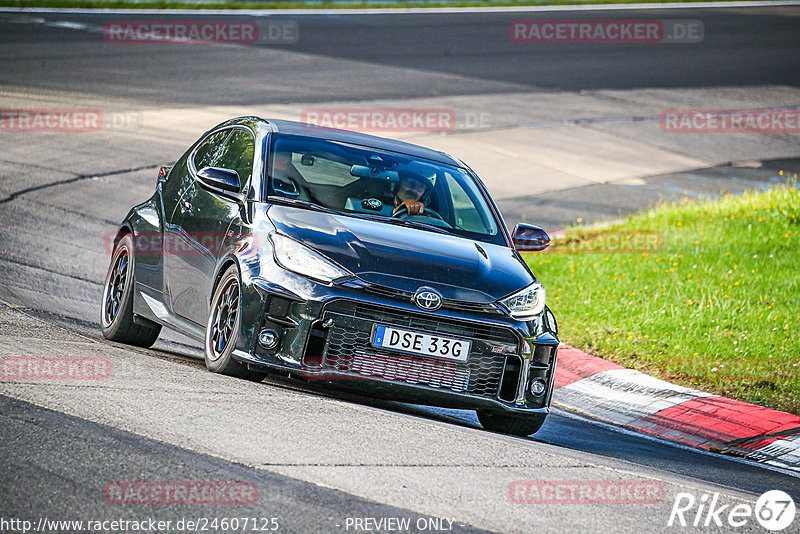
(414, 224)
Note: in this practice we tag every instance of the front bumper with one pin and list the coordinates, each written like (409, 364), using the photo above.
(328, 338)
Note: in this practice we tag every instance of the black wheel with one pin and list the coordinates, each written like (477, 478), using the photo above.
(222, 329)
(116, 311)
(507, 424)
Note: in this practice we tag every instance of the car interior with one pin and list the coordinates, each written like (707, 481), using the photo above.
(366, 181)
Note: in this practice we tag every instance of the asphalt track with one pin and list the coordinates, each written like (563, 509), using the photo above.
(317, 457)
(440, 54)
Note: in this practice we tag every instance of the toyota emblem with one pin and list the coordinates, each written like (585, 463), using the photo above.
(428, 299)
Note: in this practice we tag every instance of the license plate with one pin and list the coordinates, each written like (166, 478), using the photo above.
(448, 348)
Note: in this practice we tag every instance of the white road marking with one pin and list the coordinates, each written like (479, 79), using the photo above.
(563, 411)
(623, 395)
(409, 10)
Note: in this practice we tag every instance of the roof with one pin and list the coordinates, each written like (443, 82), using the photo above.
(355, 138)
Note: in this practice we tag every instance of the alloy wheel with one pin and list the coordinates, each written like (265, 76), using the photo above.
(224, 320)
(115, 290)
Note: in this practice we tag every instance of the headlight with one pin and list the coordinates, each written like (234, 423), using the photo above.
(296, 257)
(526, 304)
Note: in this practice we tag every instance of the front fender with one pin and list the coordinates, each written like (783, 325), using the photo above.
(253, 302)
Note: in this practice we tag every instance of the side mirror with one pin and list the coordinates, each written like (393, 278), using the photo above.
(224, 179)
(529, 238)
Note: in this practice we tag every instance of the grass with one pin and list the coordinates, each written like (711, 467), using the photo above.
(309, 4)
(711, 300)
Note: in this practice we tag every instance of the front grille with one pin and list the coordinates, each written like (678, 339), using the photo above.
(423, 321)
(448, 304)
(348, 349)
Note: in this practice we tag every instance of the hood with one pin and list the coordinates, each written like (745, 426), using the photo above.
(407, 258)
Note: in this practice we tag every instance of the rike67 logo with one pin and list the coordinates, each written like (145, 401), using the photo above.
(774, 510)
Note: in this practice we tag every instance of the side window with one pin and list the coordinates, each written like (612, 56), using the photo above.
(465, 214)
(209, 150)
(237, 154)
(229, 149)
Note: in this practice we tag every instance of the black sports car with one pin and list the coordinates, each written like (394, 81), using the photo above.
(341, 257)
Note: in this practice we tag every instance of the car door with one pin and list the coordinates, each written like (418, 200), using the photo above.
(201, 219)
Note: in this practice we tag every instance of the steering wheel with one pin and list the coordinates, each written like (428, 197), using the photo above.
(402, 213)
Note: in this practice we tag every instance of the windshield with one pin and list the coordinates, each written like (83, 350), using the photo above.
(388, 186)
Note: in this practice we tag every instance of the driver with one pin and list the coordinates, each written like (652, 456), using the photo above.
(410, 192)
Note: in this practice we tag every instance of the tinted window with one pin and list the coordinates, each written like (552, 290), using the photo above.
(210, 149)
(366, 181)
(237, 154)
(229, 149)
(323, 171)
(466, 199)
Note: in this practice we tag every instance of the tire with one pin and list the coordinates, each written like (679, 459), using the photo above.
(116, 309)
(222, 329)
(507, 424)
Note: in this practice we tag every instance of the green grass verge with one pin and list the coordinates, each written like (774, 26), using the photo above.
(288, 4)
(711, 300)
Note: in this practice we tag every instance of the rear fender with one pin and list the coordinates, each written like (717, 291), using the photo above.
(144, 224)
